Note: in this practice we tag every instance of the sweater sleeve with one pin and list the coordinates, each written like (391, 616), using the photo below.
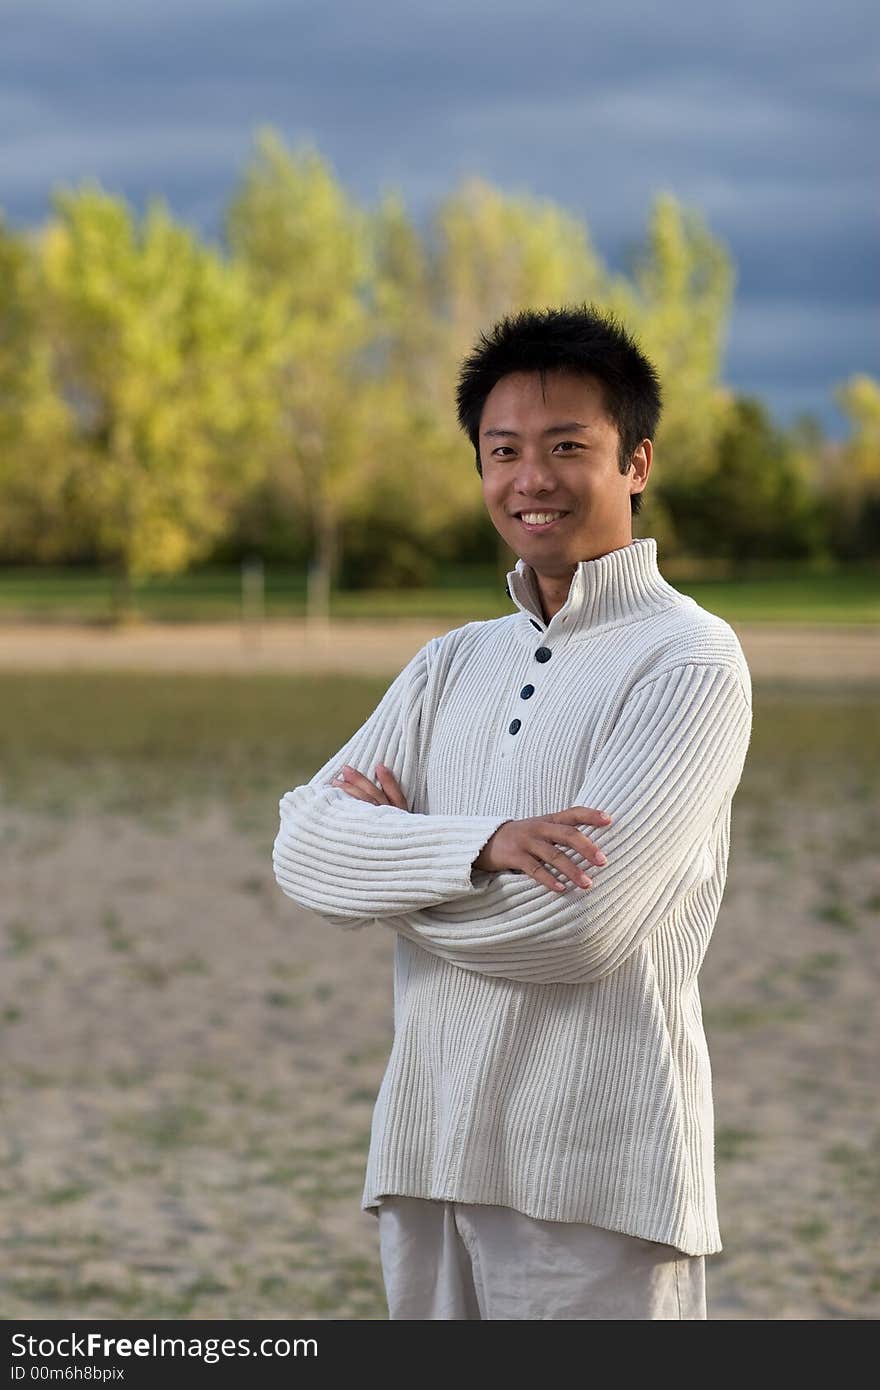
(351, 861)
(666, 772)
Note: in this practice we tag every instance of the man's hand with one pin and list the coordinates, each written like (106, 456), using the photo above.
(388, 792)
(527, 845)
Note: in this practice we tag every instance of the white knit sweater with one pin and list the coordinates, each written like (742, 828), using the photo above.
(549, 1052)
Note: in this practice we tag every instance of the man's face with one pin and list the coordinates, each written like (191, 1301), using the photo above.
(532, 465)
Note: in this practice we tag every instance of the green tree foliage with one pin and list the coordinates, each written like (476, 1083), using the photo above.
(159, 348)
(496, 253)
(679, 305)
(859, 398)
(305, 247)
(292, 392)
(408, 331)
(394, 529)
(852, 486)
(37, 438)
(755, 502)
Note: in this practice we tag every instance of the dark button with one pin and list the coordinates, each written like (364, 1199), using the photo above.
(515, 725)
(534, 624)
(543, 654)
(527, 691)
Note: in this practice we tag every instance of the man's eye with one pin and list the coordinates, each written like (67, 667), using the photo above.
(574, 444)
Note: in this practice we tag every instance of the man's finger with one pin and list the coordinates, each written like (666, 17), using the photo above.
(391, 786)
(351, 774)
(581, 815)
(358, 792)
(355, 782)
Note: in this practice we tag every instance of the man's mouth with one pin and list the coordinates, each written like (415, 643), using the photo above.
(536, 522)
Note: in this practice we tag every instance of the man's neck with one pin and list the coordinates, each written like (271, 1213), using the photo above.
(553, 589)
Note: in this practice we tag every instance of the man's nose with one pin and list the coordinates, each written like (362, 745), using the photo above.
(534, 472)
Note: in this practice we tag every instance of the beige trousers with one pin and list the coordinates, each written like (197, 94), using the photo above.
(465, 1260)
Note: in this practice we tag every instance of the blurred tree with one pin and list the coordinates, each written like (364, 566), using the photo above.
(493, 254)
(306, 249)
(487, 254)
(37, 440)
(755, 503)
(162, 402)
(408, 333)
(682, 289)
(159, 349)
(853, 479)
(393, 528)
(811, 452)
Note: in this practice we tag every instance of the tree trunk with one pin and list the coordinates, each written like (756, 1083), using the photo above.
(324, 566)
(122, 604)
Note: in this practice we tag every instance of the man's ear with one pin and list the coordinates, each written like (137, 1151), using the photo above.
(640, 464)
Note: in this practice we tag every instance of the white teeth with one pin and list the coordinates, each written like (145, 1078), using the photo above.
(540, 518)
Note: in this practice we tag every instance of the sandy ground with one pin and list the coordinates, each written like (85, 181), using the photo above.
(190, 1063)
(843, 653)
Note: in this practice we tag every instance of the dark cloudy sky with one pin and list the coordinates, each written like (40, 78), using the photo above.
(761, 114)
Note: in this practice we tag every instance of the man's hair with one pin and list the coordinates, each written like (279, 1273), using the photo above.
(576, 338)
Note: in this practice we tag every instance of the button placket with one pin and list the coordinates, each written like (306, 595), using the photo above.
(526, 693)
(541, 655)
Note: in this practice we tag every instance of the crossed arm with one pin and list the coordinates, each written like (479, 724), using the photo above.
(352, 862)
(667, 773)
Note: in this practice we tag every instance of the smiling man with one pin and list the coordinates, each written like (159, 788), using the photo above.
(555, 491)
(539, 808)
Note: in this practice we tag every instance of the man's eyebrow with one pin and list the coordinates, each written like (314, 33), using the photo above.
(551, 429)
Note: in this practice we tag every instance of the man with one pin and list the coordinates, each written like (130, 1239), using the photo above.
(539, 809)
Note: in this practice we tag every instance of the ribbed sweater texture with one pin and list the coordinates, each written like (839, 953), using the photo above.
(549, 1052)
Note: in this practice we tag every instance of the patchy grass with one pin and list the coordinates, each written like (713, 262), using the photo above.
(786, 592)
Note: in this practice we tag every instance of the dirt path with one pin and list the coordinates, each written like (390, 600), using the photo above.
(839, 654)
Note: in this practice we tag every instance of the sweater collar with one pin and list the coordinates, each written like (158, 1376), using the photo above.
(622, 585)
